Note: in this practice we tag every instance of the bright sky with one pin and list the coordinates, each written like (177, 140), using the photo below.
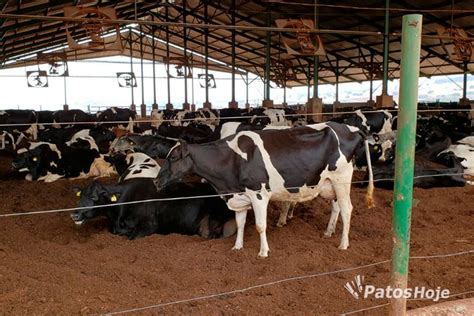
(93, 84)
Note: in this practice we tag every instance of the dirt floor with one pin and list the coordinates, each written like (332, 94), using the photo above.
(50, 266)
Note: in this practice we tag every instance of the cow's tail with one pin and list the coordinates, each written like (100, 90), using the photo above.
(369, 197)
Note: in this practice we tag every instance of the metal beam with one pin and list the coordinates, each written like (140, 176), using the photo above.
(386, 48)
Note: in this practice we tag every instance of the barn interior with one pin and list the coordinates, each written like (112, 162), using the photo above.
(49, 264)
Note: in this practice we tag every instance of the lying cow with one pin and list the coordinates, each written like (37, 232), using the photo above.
(464, 151)
(207, 217)
(253, 167)
(46, 162)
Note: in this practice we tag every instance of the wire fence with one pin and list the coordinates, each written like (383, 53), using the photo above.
(217, 118)
(60, 210)
(296, 278)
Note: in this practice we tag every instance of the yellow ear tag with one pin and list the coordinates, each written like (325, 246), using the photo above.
(113, 198)
(78, 193)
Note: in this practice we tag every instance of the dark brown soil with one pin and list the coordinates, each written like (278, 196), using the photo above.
(50, 266)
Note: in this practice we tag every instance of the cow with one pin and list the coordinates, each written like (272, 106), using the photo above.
(207, 217)
(462, 151)
(253, 167)
(18, 124)
(71, 118)
(154, 146)
(116, 117)
(48, 162)
(134, 165)
(264, 117)
(424, 177)
(378, 122)
(99, 138)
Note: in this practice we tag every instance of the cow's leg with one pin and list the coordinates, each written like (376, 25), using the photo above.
(344, 200)
(260, 204)
(240, 218)
(335, 209)
(285, 206)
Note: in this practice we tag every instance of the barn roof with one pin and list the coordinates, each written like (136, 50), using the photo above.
(355, 57)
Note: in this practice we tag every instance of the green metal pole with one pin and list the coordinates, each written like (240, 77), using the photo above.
(385, 47)
(405, 154)
(316, 58)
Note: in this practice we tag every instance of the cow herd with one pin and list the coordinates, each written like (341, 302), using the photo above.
(200, 172)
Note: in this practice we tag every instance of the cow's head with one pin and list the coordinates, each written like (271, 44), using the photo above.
(94, 194)
(38, 161)
(125, 144)
(178, 164)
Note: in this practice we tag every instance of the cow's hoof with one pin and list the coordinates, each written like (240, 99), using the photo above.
(328, 234)
(281, 224)
(263, 254)
(237, 247)
(343, 247)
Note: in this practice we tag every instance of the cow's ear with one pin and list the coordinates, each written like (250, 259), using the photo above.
(77, 191)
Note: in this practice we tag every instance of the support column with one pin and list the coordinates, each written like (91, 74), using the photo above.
(385, 100)
(247, 104)
(65, 106)
(132, 105)
(464, 101)
(154, 106)
(405, 156)
(233, 104)
(371, 102)
(316, 58)
(186, 105)
(267, 102)
(169, 105)
(336, 103)
(143, 105)
(206, 104)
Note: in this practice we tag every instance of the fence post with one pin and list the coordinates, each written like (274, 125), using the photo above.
(405, 154)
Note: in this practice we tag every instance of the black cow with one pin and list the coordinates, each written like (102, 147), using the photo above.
(77, 118)
(114, 114)
(207, 217)
(253, 167)
(153, 145)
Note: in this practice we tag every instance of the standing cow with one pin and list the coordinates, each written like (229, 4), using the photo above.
(253, 167)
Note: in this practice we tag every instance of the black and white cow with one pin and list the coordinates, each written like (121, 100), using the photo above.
(253, 167)
(207, 217)
(134, 165)
(464, 151)
(379, 122)
(46, 162)
(109, 117)
(154, 146)
(265, 116)
(98, 137)
(18, 124)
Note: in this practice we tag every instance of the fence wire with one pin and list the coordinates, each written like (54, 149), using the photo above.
(203, 196)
